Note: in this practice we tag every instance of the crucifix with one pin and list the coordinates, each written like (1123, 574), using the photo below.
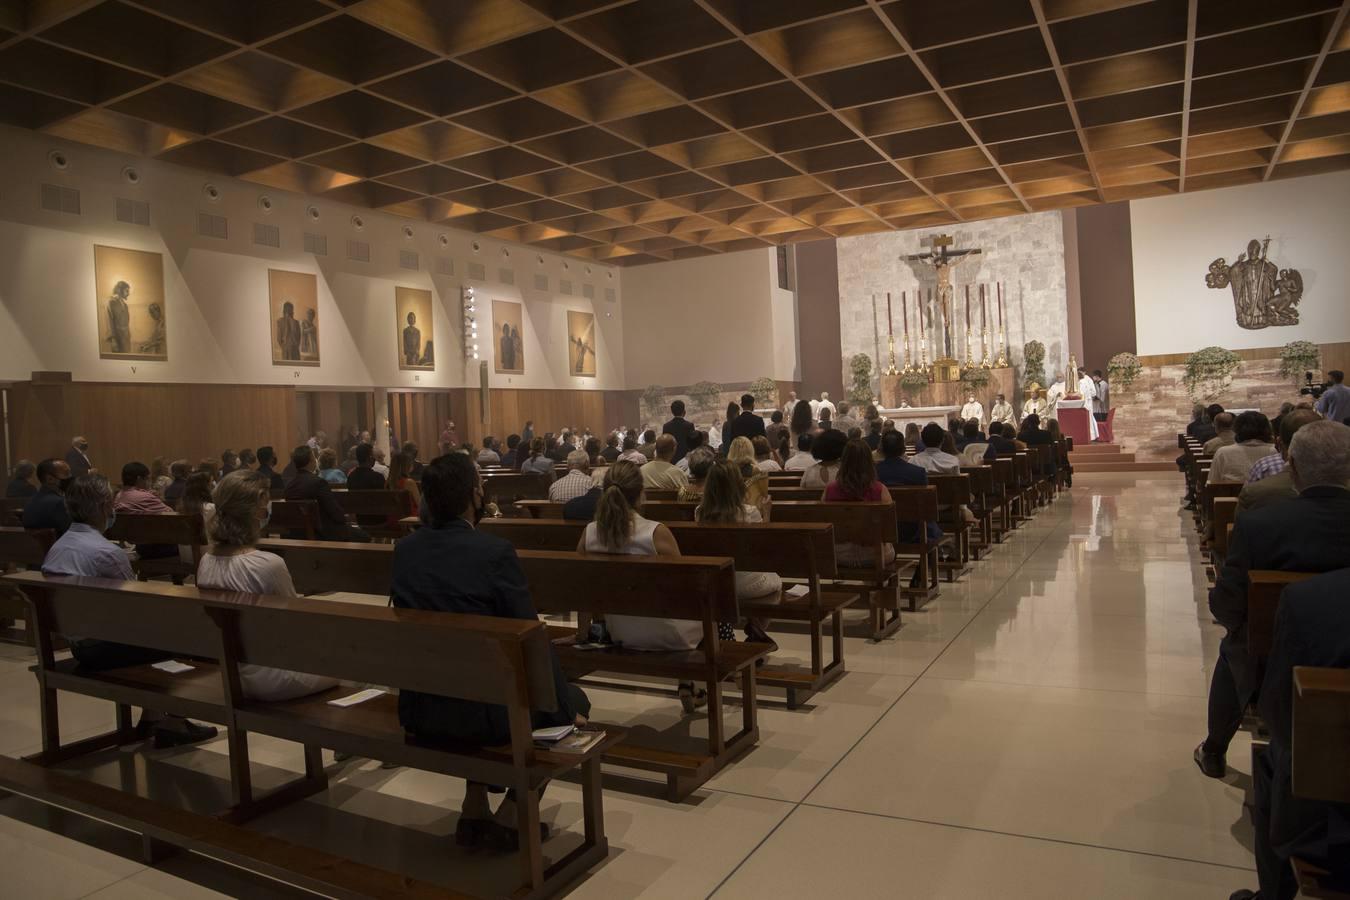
(942, 257)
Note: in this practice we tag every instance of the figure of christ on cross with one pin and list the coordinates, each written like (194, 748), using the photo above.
(942, 258)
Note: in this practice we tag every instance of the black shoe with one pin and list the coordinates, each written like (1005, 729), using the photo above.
(190, 733)
(1212, 765)
(506, 840)
(1245, 894)
(756, 635)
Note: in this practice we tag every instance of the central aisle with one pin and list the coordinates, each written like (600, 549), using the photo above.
(1027, 736)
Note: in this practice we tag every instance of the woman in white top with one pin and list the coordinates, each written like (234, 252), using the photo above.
(724, 500)
(234, 563)
(764, 456)
(827, 448)
(1251, 441)
(197, 499)
(618, 528)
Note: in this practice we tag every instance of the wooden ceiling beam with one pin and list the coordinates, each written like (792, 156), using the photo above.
(1332, 35)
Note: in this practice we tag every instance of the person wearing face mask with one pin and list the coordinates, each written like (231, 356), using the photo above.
(234, 563)
(47, 508)
(77, 457)
(449, 566)
(83, 550)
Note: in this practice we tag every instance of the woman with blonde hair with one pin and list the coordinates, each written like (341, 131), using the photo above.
(233, 562)
(741, 454)
(724, 500)
(619, 529)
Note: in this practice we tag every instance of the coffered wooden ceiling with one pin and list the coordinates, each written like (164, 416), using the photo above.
(646, 130)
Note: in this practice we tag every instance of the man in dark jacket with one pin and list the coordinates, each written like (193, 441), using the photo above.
(747, 425)
(999, 442)
(1304, 534)
(1312, 628)
(47, 508)
(77, 457)
(267, 460)
(449, 566)
(332, 524)
(679, 427)
(24, 482)
(364, 477)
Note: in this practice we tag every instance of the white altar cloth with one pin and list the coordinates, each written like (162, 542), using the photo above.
(920, 415)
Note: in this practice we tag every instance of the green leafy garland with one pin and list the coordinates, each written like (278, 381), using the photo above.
(1122, 370)
(975, 378)
(914, 379)
(1033, 363)
(765, 391)
(1208, 371)
(860, 388)
(705, 395)
(1298, 357)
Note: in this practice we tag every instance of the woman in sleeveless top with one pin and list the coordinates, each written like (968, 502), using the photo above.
(857, 481)
(724, 500)
(234, 563)
(827, 449)
(197, 499)
(400, 479)
(619, 529)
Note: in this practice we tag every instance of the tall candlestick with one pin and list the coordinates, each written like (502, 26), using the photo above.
(967, 307)
(919, 303)
(999, 285)
(889, 329)
(904, 309)
(982, 307)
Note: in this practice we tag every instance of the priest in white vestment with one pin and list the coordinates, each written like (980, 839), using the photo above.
(1035, 401)
(789, 406)
(824, 404)
(973, 410)
(1057, 392)
(1086, 387)
(1002, 411)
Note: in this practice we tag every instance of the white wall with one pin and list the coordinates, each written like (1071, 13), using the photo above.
(712, 318)
(1176, 238)
(218, 321)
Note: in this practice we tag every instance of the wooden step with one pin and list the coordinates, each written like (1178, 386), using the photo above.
(1093, 447)
(1087, 468)
(1076, 458)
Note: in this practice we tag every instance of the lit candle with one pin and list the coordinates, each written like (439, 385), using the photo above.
(904, 310)
(889, 330)
(967, 307)
(999, 284)
(982, 307)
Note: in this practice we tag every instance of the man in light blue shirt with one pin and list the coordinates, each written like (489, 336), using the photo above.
(83, 550)
(1335, 400)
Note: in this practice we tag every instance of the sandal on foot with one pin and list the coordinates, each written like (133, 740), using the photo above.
(692, 699)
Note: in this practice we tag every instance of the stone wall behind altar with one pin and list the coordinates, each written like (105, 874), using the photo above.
(1025, 252)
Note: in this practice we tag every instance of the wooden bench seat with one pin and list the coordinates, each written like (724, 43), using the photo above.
(19, 549)
(142, 529)
(436, 653)
(373, 510)
(565, 582)
(803, 551)
(953, 494)
(1321, 746)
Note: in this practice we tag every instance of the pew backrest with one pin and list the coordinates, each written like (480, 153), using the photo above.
(372, 503)
(166, 528)
(1263, 602)
(1321, 742)
(294, 516)
(24, 547)
(11, 510)
(515, 486)
(863, 522)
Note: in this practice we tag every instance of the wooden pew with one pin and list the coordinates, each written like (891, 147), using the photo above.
(435, 653)
(1212, 491)
(1321, 746)
(294, 517)
(695, 588)
(505, 490)
(20, 549)
(373, 510)
(1224, 515)
(870, 525)
(794, 551)
(1001, 473)
(167, 528)
(11, 511)
(982, 505)
(916, 506)
(670, 510)
(1263, 602)
(953, 492)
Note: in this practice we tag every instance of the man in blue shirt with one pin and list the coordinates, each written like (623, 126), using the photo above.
(83, 550)
(1335, 400)
(895, 470)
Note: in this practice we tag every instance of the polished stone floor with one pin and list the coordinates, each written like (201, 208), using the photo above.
(1027, 736)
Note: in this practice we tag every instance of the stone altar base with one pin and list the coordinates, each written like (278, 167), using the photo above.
(1001, 381)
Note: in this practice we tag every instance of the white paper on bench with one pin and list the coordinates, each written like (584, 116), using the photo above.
(800, 590)
(550, 735)
(358, 697)
(173, 667)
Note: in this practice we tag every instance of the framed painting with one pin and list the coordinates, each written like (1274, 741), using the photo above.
(129, 304)
(580, 343)
(416, 330)
(508, 348)
(293, 300)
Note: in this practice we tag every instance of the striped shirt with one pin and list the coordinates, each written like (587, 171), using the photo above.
(1265, 466)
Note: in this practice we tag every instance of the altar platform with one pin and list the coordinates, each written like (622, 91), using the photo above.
(919, 415)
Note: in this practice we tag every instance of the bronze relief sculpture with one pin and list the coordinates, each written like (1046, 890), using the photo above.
(1263, 296)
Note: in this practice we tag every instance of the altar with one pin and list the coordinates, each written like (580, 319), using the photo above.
(920, 415)
(1001, 381)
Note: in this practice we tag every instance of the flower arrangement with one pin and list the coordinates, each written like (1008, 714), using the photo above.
(1209, 371)
(654, 400)
(1033, 363)
(705, 396)
(765, 391)
(860, 386)
(1123, 369)
(1298, 357)
(914, 379)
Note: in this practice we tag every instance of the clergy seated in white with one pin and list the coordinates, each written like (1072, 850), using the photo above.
(1035, 402)
(1002, 411)
(973, 411)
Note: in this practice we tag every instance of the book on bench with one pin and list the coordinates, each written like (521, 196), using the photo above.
(567, 739)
